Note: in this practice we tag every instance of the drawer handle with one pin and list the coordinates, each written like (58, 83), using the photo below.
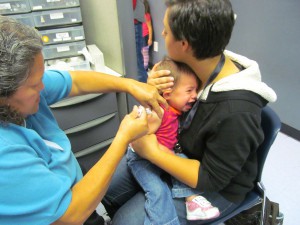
(93, 148)
(90, 124)
(74, 100)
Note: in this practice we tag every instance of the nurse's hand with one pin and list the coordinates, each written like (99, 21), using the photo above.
(134, 125)
(161, 79)
(148, 96)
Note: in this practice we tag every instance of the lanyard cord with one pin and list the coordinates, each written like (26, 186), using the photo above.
(187, 122)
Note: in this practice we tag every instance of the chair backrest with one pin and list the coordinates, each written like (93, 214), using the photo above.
(271, 125)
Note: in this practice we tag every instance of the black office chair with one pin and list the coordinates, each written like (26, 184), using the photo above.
(271, 125)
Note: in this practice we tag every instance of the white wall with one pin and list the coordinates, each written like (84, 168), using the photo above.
(269, 32)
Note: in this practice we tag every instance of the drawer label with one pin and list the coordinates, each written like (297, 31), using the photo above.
(62, 35)
(37, 7)
(5, 6)
(63, 49)
(57, 39)
(55, 16)
(79, 38)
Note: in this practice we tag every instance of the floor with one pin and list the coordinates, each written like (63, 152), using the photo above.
(280, 177)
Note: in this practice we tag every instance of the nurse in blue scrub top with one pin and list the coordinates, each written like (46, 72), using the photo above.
(40, 179)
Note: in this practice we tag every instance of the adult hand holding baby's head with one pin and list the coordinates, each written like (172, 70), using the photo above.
(160, 79)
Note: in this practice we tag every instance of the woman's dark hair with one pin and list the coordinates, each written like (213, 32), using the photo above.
(19, 44)
(206, 24)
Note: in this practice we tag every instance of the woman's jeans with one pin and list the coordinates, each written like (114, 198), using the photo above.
(125, 201)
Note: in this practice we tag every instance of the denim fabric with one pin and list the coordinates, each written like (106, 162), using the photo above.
(139, 40)
(158, 194)
(125, 201)
(123, 187)
(181, 190)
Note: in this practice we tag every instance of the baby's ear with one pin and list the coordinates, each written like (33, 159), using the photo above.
(167, 94)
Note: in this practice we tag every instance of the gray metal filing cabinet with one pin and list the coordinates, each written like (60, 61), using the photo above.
(18, 9)
(14, 7)
(90, 121)
(60, 23)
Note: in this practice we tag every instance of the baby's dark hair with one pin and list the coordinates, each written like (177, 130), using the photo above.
(176, 68)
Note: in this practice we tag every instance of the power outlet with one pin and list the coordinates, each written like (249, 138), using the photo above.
(155, 46)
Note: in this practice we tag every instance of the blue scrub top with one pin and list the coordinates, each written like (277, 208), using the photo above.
(37, 166)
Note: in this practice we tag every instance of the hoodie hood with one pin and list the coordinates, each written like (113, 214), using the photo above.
(248, 79)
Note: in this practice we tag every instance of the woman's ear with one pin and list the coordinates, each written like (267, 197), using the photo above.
(184, 44)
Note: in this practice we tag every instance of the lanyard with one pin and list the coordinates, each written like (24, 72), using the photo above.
(187, 122)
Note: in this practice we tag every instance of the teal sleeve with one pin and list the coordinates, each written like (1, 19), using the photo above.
(58, 85)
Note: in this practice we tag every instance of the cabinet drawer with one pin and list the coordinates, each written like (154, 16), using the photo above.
(52, 4)
(57, 17)
(93, 132)
(88, 157)
(14, 7)
(63, 50)
(72, 112)
(62, 35)
(25, 18)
